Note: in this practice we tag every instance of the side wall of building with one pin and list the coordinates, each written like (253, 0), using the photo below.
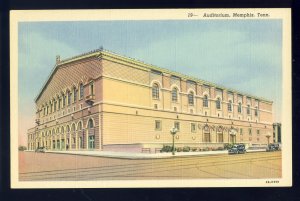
(130, 113)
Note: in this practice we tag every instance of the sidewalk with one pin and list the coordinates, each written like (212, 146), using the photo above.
(130, 155)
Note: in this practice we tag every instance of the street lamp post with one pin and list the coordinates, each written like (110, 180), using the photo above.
(173, 132)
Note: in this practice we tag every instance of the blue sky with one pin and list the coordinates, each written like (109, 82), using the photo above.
(240, 54)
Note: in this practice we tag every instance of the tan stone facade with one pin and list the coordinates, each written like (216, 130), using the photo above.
(105, 101)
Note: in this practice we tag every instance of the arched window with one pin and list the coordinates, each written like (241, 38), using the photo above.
(62, 129)
(73, 127)
(51, 105)
(68, 128)
(240, 108)
(191, 98)
(59, 99)
(81, 91)
(248, 109)
(218, 103)
(57, 130)
(74, 94)
(91, 88)
(90, 124)
(79, 127)
(155, 91)
(69, 97)
(54, 105)
(64, 100)
(205, 101)
(230, 106)
(174, 94)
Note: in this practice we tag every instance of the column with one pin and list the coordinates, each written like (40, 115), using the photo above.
(65, 137)
(76, 141)
(60, 144)
(87, 139)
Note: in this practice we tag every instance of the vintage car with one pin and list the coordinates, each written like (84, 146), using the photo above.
(237, 149)
(41, 149)
(273, 147)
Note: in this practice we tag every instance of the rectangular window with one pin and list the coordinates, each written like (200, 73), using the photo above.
(81, 91)
(69, 98)
(92, 88)
(250, 131)
(240, 108)
(248, 109)
(257, 132)
(64, 101)
(177, 125)
(75, 95)
(54, 106)
(193, 127)
(91, 142)
(58, 104)
(229, 107)
(241, 131)
(157, 125)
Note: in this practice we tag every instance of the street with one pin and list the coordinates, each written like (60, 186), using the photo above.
(63, 167)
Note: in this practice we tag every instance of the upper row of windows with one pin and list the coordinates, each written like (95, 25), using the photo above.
(66, 99)
(155, 95)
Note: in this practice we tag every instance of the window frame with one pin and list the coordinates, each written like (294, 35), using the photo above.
(158, 122)
(229, 106)
(155, 91)
(240, 108)
(191, 96)
(248, 110)
(205, 101)
(174, 94)
(218, 103)
(193, 128)
(81, 91)
(177, 127)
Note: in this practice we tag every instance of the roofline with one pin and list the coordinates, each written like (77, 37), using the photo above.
(105, 54)
(66, 61)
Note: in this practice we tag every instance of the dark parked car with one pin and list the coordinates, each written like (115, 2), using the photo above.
(273, 147)
(277, 147)
(41, 149)
(237, 149)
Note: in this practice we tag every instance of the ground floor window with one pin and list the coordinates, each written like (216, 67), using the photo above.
(220, 137)
(193, 127)
(206, 137)
(177, 125)
(157, 125)
(92, 142)
(80, 143)
(53, 144)
(62, 144)
(58, 144)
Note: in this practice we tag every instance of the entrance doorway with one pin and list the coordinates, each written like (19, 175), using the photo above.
(232, 139)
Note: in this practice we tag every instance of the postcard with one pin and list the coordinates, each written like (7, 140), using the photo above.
(151, 98)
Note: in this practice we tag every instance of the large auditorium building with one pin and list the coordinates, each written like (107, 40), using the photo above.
(103, 101)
